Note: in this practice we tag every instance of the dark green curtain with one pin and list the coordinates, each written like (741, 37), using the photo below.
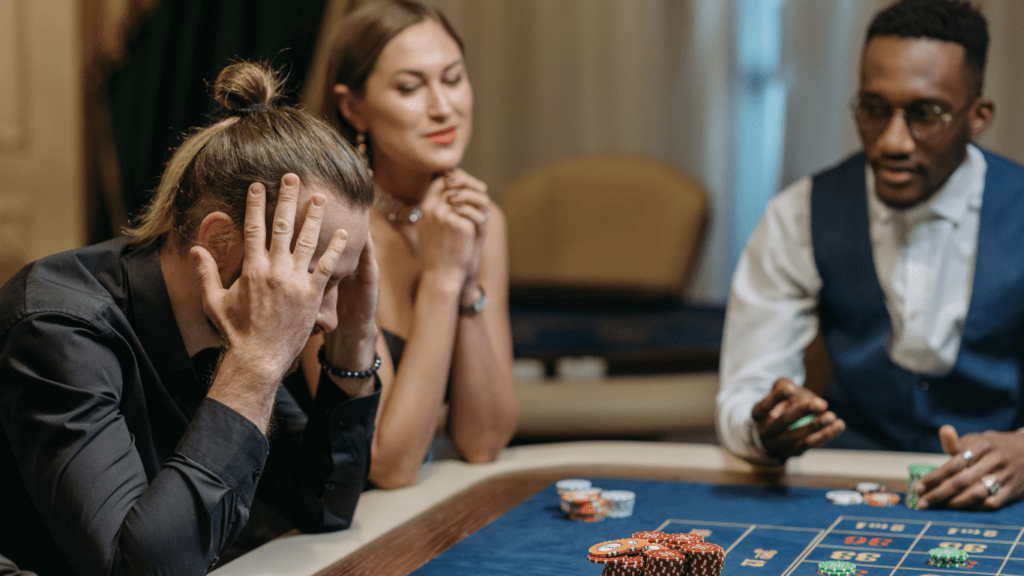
(162, 90)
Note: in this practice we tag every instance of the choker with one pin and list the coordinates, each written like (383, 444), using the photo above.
(394, 209)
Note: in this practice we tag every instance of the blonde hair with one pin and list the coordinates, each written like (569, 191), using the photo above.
(258, 141)
(348, 51)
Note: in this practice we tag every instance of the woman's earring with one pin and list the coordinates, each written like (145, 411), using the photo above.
(361, 149)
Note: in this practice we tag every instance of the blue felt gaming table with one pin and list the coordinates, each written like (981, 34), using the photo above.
(765, 530)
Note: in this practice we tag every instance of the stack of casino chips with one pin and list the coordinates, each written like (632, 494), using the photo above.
(917, 471)
(619, 502)
(882, 499)
(661, 554)
(621, 557)
(572, 485)
(703, 559)
(665, 562)
(947, 558)
(836, 568)
(584, 505)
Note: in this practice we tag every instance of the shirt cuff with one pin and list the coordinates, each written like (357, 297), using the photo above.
(228, 445)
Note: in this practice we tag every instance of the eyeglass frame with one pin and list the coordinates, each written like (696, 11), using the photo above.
(946, 117)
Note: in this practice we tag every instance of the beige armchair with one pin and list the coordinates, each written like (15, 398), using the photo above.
(606, 223)
(621, 231)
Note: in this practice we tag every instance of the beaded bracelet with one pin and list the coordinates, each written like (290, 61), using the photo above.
(338, 372)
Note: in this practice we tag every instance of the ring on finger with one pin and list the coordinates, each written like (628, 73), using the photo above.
(968, 456)
(991, 483)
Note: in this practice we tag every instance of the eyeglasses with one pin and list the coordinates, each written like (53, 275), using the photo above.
(925, 120)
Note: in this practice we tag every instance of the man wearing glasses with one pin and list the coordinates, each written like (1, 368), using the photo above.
(909, 258)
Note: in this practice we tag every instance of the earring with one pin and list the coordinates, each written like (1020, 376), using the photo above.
(361, 149)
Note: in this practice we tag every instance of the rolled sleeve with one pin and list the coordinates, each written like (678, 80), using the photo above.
(770, 319)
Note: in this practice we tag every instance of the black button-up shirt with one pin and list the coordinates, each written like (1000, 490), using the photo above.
(112, 460)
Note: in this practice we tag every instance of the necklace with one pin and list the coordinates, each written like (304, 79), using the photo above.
(395, 209)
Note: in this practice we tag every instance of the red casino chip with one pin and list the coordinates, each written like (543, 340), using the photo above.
(704, 559)
(664, 562)
(678, 541)
(615, 560)
(655, 537)
(624, 566)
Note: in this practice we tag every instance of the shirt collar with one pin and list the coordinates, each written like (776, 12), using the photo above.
(959, 195)
(153, 315)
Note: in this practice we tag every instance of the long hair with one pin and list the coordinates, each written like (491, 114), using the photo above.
(257, 141)
(348, 52)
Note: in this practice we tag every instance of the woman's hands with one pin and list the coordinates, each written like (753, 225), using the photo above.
(453, 229)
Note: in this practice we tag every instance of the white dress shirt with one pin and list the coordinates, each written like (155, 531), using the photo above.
(924, 260)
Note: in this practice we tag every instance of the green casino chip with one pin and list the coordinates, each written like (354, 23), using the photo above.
(802, 422)
(836, 568)
(917, 471)
(947, 557)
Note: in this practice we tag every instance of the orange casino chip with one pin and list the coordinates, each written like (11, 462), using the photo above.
(613, 548)
(882, 499)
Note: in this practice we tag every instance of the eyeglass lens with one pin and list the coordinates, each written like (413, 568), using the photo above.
(924, 119)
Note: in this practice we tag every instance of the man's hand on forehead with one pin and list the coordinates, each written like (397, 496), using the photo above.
(268, 314)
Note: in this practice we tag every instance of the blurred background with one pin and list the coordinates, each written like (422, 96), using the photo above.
(741, 97)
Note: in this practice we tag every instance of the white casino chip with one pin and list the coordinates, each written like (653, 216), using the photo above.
(865, 487)
(845, 497)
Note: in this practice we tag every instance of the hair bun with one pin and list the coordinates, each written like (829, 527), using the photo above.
(245, 87)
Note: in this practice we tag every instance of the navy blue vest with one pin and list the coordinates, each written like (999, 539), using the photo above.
(884, 405)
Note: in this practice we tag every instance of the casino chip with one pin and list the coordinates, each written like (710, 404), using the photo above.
(664, 563)
(882, 499)
(682, 540)
(571, 485)
(844, 497)
(806, 420)
(947, 558)
(865, 487)
(624, 566)
(620, 502)
(608, 549)
(584, 506)
(917, 471)
(652, 554)
(654, 537)
(703, 559)
(836, 568)
(612, 548)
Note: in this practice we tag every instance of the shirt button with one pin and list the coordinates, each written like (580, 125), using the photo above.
(924, 385)
(329, 486)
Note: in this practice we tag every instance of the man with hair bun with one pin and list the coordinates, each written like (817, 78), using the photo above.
(140, 378)
(907, 258)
